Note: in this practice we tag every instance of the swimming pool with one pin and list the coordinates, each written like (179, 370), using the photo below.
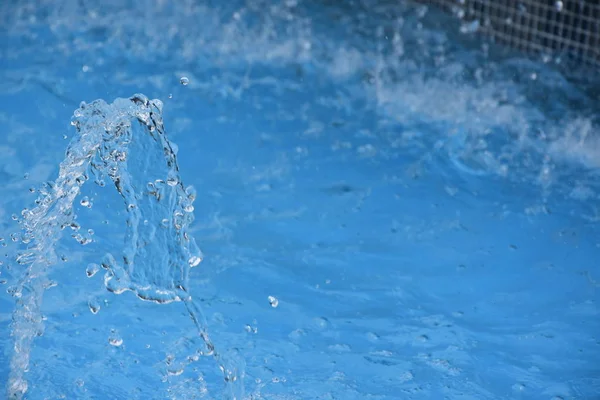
(387, 208)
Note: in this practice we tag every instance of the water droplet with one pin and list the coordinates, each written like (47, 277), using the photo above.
(50, 284)
(423, 338)
(191, 193)
(273, 301)
(175, 372)
(170, 95)
(522, 9)
(470, 27)
(184, 80)
(14, 291)
(558, 5)
(94, 306)
(14, 217)
(194, 261)
(85, 201)
(114, 341)
(92, 269)
(172, 180)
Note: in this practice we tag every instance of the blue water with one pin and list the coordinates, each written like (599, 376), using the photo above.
(386, 208)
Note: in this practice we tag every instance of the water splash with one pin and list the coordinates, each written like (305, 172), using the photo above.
(124, 142)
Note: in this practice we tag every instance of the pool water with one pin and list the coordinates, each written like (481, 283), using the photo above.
(387, 208)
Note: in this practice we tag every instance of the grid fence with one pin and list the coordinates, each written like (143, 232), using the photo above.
(536, 26)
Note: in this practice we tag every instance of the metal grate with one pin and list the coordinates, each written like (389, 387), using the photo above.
(540, 26)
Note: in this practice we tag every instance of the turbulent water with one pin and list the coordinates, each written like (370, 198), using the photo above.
(125, 144)
(389, 205)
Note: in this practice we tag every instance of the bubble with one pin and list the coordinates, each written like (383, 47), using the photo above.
(184, 80)
(114, 341)
(273, 301)
(170, 95)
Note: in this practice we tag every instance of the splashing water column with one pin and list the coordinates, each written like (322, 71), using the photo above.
(126, 143)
